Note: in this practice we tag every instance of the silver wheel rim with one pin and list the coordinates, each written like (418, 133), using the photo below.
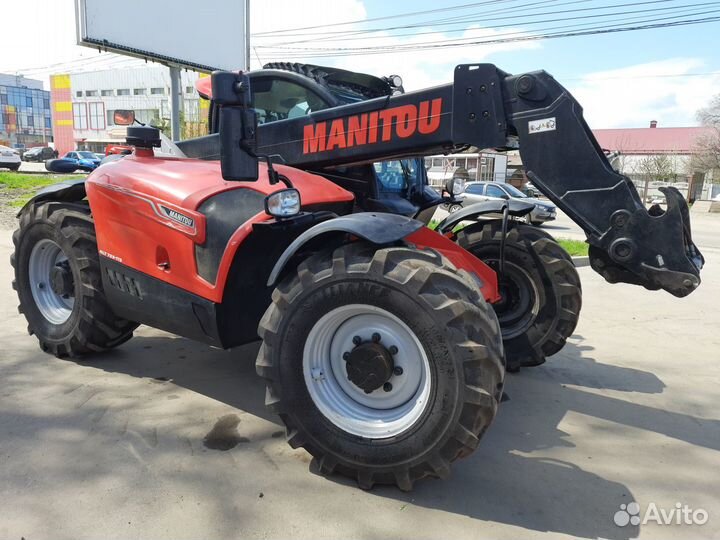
(379, 414)
(43, 258)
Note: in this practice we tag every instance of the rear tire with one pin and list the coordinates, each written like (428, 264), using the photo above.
(409, 297)
(66, 310)
(542, 289)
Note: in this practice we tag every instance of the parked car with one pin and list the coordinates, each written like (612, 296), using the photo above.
(123, 149)
(9, 158)
(482, 191)
(39, 153)
(72, 161)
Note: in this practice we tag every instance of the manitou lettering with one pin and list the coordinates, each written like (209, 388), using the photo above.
(369, 128)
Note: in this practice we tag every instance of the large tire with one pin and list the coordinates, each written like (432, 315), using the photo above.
(542, 289)
(458, 337)
(81, 321)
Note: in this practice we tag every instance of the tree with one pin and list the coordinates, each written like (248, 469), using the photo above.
(659, 167)
(707, 157)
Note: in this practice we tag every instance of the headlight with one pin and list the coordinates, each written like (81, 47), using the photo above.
(283, 203)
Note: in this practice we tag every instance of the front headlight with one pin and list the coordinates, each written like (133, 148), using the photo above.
(283, 203)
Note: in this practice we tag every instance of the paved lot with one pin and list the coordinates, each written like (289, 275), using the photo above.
(117, 446)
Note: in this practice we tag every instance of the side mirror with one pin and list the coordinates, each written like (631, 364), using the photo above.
(237, 126)
(123, 117)
(455, 186)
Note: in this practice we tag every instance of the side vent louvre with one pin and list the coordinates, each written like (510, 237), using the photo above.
(123, 283)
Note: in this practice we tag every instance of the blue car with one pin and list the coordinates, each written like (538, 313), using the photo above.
(72, 161)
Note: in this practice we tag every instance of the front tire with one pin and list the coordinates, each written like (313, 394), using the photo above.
(541, 289)
(384, 427)
(58, 281)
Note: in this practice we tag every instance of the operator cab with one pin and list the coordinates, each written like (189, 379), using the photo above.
(288, 90)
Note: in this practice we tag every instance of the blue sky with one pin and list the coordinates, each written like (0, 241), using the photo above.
(612, 75)
(577, 56)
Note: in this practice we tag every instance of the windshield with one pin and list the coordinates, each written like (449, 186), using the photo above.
(87, 155)
(514, 192)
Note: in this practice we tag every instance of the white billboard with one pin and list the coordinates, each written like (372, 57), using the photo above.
(204, 36)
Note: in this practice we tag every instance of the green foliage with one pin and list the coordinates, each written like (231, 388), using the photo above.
(576, 248)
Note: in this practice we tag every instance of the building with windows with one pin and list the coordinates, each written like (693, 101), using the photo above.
(24, 112)
(83, 105)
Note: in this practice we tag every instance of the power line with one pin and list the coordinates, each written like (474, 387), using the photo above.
(677, 10)
(361, 51)
(409, 14)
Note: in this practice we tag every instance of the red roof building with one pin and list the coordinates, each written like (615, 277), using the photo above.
(651, 140)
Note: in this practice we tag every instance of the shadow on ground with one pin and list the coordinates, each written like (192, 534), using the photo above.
(495, 484)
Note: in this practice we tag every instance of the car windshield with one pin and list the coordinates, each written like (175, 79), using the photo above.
(514, 192)
(86, 155)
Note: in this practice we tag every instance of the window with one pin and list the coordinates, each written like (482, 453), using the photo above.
(123, 92)
(106, 92)
(188, 89)
(97, 115)
(46, 103)
(474, 189)
(28, 101)
(30, 121)
(78, 93)
(47, 122)
(91, 93)
(494, 191)
(79, 116)
(157, 91)
(394, 176)
(276, 99)
(139, 91)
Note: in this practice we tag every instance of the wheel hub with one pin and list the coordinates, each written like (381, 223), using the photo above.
(61, 279)
(369, 366)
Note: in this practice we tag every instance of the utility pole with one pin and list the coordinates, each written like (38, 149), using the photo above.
(247, 35)
(175, 89)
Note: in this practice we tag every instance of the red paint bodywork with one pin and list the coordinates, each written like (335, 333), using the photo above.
(461, 258)
(125, 196)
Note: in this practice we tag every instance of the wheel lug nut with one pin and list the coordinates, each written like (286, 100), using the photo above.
(357, 340)
(398, 370)
(346, 355)
(387, 386)
(393, 349)
(41, 285)
(376, 337)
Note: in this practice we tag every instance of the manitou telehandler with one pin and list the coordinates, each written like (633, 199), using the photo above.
(383, 341)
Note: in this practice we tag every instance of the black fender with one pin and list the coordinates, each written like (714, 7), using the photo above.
(515, 207)
(66, 191)
(374, 227)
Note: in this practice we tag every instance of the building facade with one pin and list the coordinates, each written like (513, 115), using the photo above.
(24, 112)
(83, 105)
(654, 157)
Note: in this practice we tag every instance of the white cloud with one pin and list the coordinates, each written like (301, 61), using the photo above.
(630, 97)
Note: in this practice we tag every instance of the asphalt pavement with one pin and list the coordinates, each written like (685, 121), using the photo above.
(166, 438)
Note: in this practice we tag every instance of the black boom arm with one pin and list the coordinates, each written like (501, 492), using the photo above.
(488, 108)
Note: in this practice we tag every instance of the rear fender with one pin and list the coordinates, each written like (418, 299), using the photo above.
(516, 208)
(464, 260)
(67, 191)
(376, 228)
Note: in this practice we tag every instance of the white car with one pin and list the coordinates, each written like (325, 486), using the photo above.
(9, 158)
(482, 191)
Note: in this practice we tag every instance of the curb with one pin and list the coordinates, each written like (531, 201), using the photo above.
(581, 261)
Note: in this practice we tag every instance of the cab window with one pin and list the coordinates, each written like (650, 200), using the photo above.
(276, 99)
(394, 176)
